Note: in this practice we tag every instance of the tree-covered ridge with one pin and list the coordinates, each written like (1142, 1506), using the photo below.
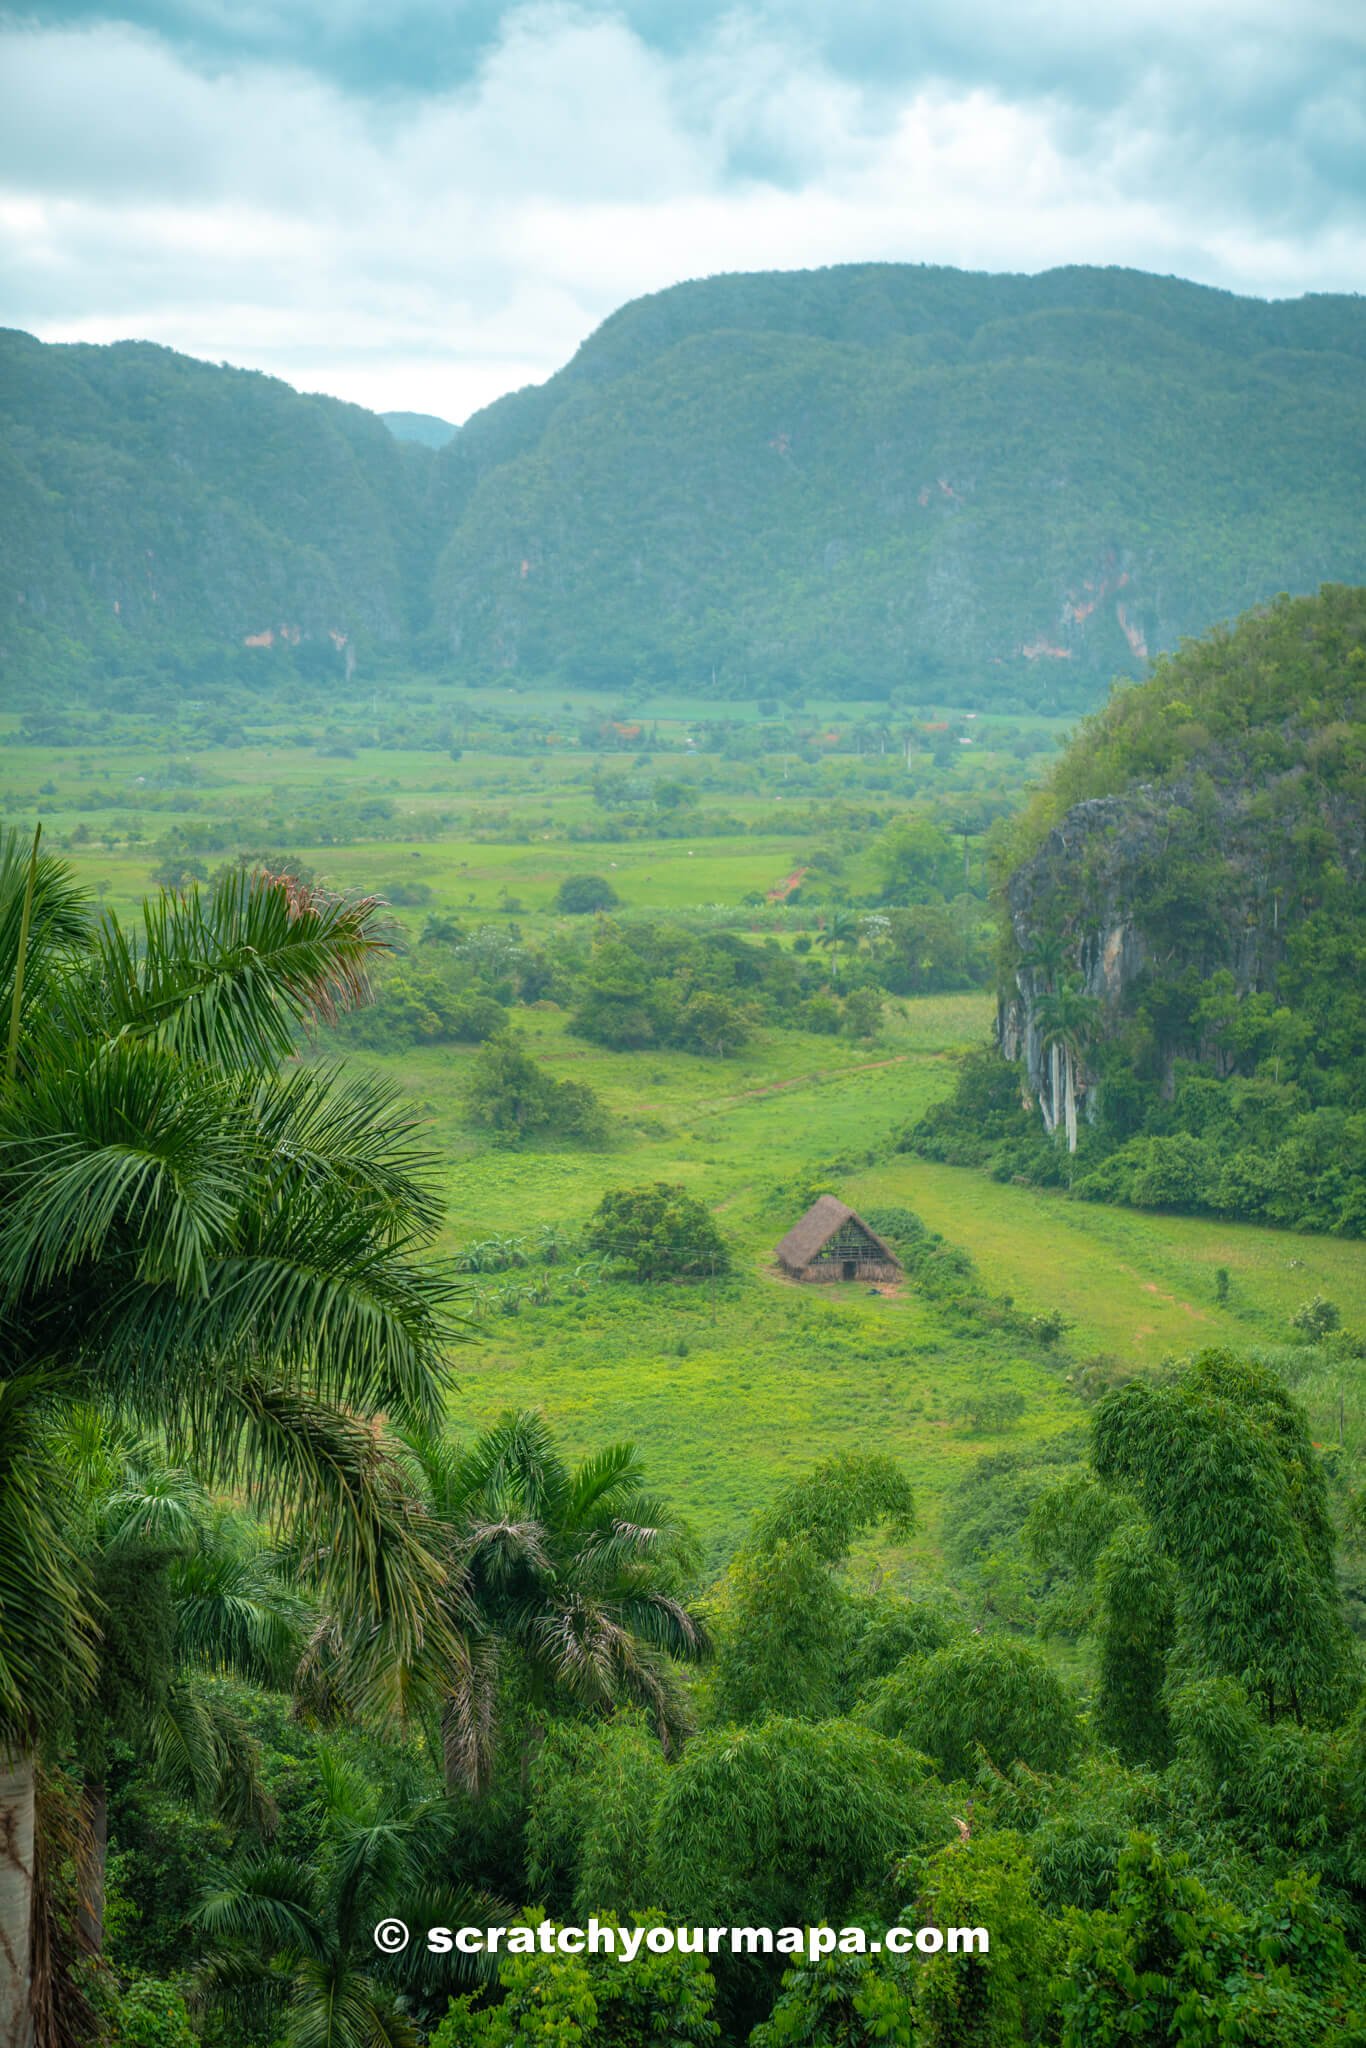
(907, 476)
(997, 489)
(1182, 939)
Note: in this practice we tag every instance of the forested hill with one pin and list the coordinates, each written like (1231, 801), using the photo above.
(1184, 940)
(993, 489)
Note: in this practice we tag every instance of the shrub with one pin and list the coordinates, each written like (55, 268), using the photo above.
(658, 1232)
(511, 1094)
(1316, 1318)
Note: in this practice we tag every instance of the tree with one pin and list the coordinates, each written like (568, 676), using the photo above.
(842, 934)
(511, 1094)
(291, 1942)
(198, 1243)
(992, 1693)
(785, 1624)
(658, 1232)
(1219, 1458)
(579, 895)
(564, 1592)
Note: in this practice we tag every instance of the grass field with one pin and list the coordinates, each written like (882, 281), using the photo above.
(725, 1389)
(728, 1390)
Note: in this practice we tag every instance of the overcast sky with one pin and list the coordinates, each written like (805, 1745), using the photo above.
(424, 203)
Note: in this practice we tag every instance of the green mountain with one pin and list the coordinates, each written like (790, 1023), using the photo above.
(1184, 940)
(422, 427)
(877, 477)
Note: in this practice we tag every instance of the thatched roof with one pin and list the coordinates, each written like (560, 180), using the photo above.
(826, 1216)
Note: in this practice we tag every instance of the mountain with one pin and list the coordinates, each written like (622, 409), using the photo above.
(1184, 940)
(874, 477)
(422, 427)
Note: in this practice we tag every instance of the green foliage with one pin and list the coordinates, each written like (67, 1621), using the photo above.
(1182, 963)
(998, 1998)
(589, 1829)
(1221, 1462)
(562, 2001)
(986, 1692)
(580, 894)
(789, 1823)
(842, 2002)
(658, 1232)
(510, 1095)
(149, 2013)
(1316, 1319)
(1170, 1963)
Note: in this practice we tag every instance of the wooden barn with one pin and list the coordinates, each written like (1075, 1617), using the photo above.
(832, 1243)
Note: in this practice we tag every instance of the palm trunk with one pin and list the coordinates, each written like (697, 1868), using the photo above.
(16, 1898)
(1055, 1082)
(90, 1913)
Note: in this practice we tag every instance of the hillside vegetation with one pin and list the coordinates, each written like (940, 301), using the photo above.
(1183, 939)
(989, 490)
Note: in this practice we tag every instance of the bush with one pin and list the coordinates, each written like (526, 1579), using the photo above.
(512, 1095)
(579, 895)
(1316, 1318)
(658, 1232)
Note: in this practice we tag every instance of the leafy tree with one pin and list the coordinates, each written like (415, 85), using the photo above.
(788, 1823)
(1219, 1457)
(987, 1692)
(565, 1594)
(979, 1997)
(191, 1240)
(510, 1094)
(579, 895)
(290, 1942)
(549, 2001)
(842, 2002)
(658, 1232)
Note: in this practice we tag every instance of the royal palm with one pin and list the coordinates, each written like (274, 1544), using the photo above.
(204, 1238)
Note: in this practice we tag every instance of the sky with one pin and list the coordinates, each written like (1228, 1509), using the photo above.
(420, 204)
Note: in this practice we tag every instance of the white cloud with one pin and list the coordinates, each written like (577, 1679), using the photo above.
(432, 250)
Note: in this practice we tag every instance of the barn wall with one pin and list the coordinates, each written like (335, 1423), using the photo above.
(832, 1270)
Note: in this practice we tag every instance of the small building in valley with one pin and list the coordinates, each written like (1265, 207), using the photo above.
(831, 1242)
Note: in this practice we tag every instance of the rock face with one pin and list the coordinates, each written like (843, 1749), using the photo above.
(1165, 881)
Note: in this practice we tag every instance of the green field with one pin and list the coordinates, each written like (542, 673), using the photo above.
(729, 1388)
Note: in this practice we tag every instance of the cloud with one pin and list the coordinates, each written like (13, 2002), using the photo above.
(208, 179)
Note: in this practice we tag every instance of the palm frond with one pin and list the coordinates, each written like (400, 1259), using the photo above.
(47, 1629)
(226, 976)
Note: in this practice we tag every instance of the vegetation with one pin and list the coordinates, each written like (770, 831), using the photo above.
(1026, 1591)
(1183, 939)
(870, 480)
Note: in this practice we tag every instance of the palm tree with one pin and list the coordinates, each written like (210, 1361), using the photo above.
(567, 1583)
(840, 934)
(291, 1940)
(184, 1589)
(203, 1245)
(1067, 1021)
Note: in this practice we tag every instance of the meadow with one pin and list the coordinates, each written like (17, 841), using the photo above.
(728, 1388)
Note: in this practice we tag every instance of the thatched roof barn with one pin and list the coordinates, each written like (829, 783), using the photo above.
(833, 1243)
